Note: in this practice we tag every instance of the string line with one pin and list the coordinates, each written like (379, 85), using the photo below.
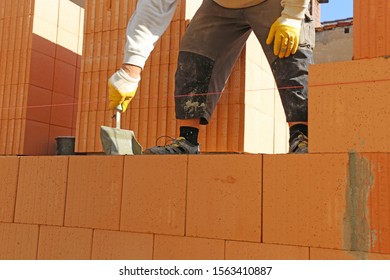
(104, 100)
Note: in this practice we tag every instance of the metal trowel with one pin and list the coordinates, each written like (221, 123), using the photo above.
(117, 141)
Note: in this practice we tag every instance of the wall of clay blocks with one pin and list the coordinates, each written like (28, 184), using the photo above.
(237, 121)
(40, 65)
(15, 41)
(196, 207)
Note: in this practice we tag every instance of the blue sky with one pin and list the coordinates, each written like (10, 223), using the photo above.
(336, 9)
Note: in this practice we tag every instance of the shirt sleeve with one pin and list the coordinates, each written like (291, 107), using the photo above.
(294, 9)
(149, 21)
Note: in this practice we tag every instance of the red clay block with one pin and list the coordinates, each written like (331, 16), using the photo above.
(10, 137)
(107, 15)
(41, 76)
(64, 78)
(211, 134)
(9, 167)
(94, 192)
(123, 15)
(105, 53)
(99, 121)
(6, 103)
(102, 103)
(66, 55)
(87, 58)
(36, 138)
(3, 136)
(90, 17)
(97, 48)
(112, 61)
(304, 200)
(99, 10)
(115, 245)
(163, 100)
(93, 131)
(43, 45)
(63, 243)
(39, 104)
(85, 88)
(16, 67)
(12, 102)
(159, 207)
(16, 142)
(21, 100)
(348, 108)
(375, 169)
(81, 131)
(260, 251)
(224, 201)
(94, 92)
(18, 241)
(331, 254)
(62, 110)
(41, 190)
(143, 92)
(77, 83)
(187, 248)
(371, 20)
(115, 15)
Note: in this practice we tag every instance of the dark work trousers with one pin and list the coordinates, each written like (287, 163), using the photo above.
(211, 46)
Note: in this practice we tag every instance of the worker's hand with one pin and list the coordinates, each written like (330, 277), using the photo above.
(285, 34)
(121, 89)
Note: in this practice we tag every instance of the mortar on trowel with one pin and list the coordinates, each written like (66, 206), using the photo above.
(117, 141)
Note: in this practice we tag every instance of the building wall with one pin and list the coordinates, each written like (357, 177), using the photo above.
(334, 44)
(316, 12)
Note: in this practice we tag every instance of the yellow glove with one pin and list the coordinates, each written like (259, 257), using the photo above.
(285, 32)
(121, 89)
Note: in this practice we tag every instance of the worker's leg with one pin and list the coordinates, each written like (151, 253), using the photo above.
(291, 73)
(208, 52)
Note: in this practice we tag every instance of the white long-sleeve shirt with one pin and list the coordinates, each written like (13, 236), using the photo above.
(152, 17)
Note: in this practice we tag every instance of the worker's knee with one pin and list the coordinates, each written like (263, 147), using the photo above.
(193, 73)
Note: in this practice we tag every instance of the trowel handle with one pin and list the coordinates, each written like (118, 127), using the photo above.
(118, 115)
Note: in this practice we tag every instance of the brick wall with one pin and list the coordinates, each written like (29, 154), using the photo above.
(39, 73)
(195, 207)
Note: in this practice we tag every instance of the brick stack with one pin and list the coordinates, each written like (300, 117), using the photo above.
(15, 36)
(349, 100)
(40, 65)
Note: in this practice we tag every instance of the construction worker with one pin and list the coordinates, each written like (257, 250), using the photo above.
(209, 49)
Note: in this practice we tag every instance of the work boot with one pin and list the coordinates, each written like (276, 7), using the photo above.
(177, 146)
(298, 143)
